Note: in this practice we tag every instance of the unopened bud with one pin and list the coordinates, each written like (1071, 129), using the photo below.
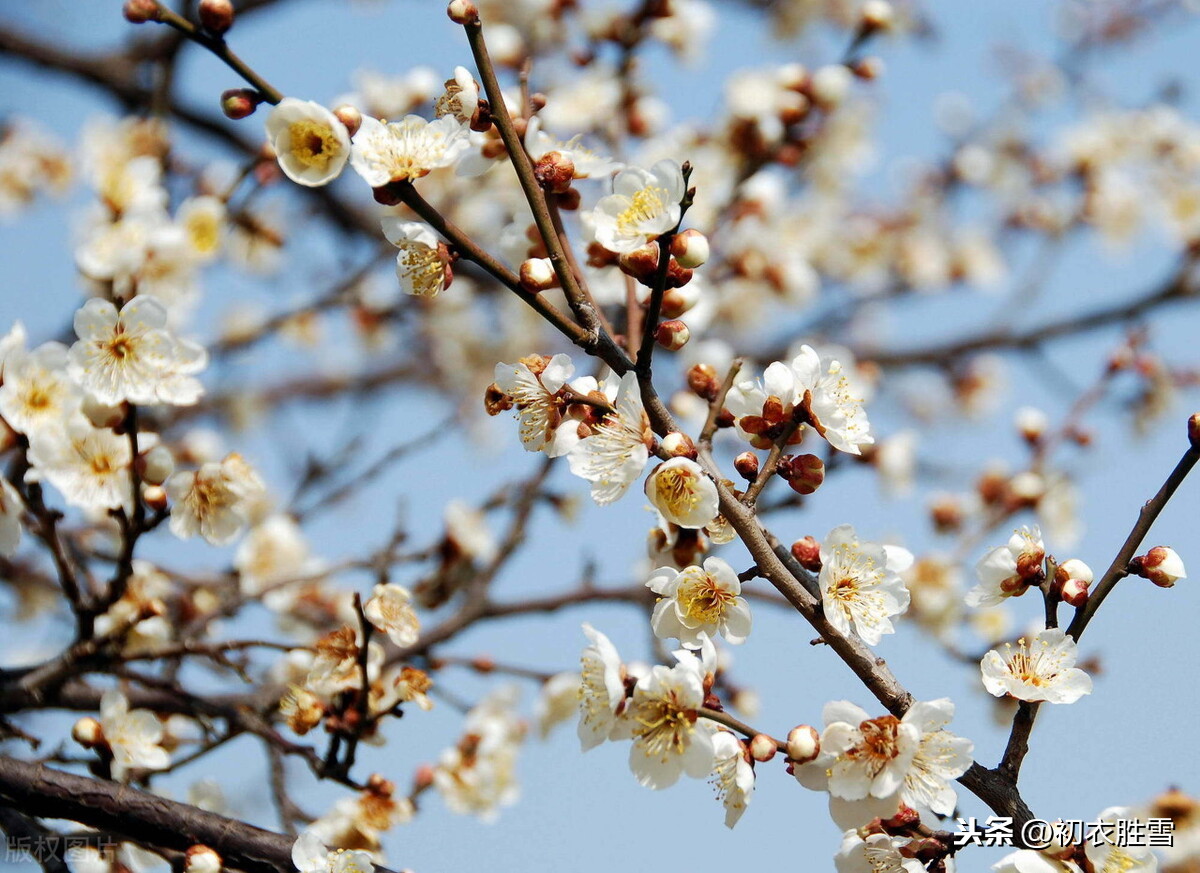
(238, 103)
(946, 513)
(762, 748)
(641, 263)
(803, 744)
(704, 381)
(156, 465)
(350, 117)
(1074, 569)
(807, 552)
(102, 415)
(1074, 592)
(690, 248)
(1031, 423)
(496, 401)
(202, 859)
(1194, 430)
(830, 84)
(678, 301)
(554, 172)
(1161, 565)
(747, 466)
(877, 15)
(679, 445)
(423, 777)
(88, 733)
(672, 335)
(905, 817)
(569, 200)
(483, 663)
(462, 12)
(141, 11)
(804, 473)
(216, 15)
(677, 276)
(868, 69)
(537, 275)
(155, 496)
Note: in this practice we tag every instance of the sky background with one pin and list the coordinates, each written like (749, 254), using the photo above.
(1123, 744)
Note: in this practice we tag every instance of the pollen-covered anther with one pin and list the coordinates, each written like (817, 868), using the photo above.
(762, 748)
(554, 171)
(672, 335)
(690, 248)
(537, 275)
(807, 552)
(803, 744)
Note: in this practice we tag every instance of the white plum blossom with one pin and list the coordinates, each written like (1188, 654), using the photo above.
(558, 701)
(336, 665)
(406, 150)
(602, 689)
(214, 501)
(134, 736)
(669, 738)
(683, 493)
(588, 164)
(88, 465)
(478, 776)
(273, 552)
(37, 392)
(861, 757)
(534, 394)
(1040, 670)
(1030, 861)
(312, 145)
(861, 585)
(310, 855)
(644, 205)
(461, 97)
(732, 775)
(202, 220)
(878, 853)
(698, 603)
(390, 609)
(940, 759)
(419, 266)
(1109, 856)
(615, 454)
(131, 356)
(1008, 570)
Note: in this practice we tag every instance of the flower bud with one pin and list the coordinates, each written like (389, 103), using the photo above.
(156, 465)
(462, 12)
(877, 15)
(202, 859)
(1031, 423)
(679, 445)
(803, 744)
(423, 778)
(672, 335)
(1074, 569)
(762, 748)
(830, 84)
(155, 497)
(641, 263)
(1194, 430)
(554, 171)
(690, 248)
(101, 414)
(1161, 565)
(905, 817)
(704, 381)
(677, 276)
(239, 103)
(350, 117)
(1074, 592)
(678, 301)
(747, 466)
(807, 552)
(804, 473)
(569, 200)
(537, 275)
(88, 733)
(141, 11)
(216, 15)
(868, 69)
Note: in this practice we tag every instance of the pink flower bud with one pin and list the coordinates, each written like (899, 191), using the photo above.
(704, 381)
(423, 778)
(747, 466)
(679, 445)
(216, 15)
(762, 748)
(690, 248)
(804, 473)
(554, 172)
(141, 11)
(238, 103)
(537, 274)
(1161, 565)
(868, 69)
(803, 744)
(462, 12)
(807, 552)
(1075, 592)
(641, 263)
(672, 335)
(350, 118)
(677, 301)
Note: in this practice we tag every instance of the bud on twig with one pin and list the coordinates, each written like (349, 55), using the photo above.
(202, 859)
(690, 248)
(672, 335)
(704, 381)
(1194, 430)
(141, 11)
(537, 275)
(804, 473)
(807, 552)
(555, 172)
(803, 744)
(155, 497)
(641, 263)
(679, 445)
(747, 466)
(762, 748)
(216, 15)
(1074, 592)
(462, 12)
(1161, 565)
(88, 733)
(237, 103)
(350, 117)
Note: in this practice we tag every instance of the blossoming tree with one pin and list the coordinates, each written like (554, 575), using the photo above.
(688, 314)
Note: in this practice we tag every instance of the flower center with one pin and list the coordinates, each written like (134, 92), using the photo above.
(702, 598)
(421, 267)
(312, 144)
(646, 205)
(879, 743)
(121, 347)
(665, 726)
(676, 489)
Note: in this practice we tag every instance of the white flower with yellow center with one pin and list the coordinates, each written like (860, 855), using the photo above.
(309, 855)
(1008, 570)
(732, 775)
(390, 609)
(37, 393)
(336, 665)
(419, 266)
(680, 490)
(697, 602)
(558, 701)
(1039, 670)
(130, 356)
(588, 164)
(312, 145)
(644, 205)
(1030, 861)
(275, 551)
(134, 736)
(878, 853)
(602, 689)
(940, 759)
(860, 584)
(214, 501)
(1109, 857)
(535, 396)
(202, 220)
(668, 737)
(406, 150)
(615, 454)
(88, 465)
(461, 97)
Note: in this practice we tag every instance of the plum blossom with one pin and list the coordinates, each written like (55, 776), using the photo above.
(878, 853)
(1009, 570)
(310, 856)
(478, 775)
(89, 465)
(37, 392)
(1040, 670)
(419, 265)
(1108, 856)
(588, 164)
(533, 384)
(214, 501)
(312, 145)
(732, 775)
(669, 739)
(698, 603)
(644, 204)
(406, 150)
(390, 609)
(617, 450)
(602, 690)
(862, 757)
(134, 736)
(130, 355)
(860, 584)
(683, 493)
